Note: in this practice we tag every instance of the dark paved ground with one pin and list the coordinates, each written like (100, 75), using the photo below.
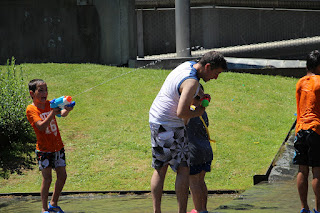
(279, 194)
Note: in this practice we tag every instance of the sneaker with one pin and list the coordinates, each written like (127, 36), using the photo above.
(55, 208)
(305, 211)
(193, 211)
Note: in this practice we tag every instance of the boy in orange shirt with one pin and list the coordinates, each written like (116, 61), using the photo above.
(49, 149)
(307, 141)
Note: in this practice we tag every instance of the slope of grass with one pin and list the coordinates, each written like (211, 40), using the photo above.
(107, 137)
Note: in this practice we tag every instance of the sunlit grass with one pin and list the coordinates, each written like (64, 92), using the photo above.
(107, 136)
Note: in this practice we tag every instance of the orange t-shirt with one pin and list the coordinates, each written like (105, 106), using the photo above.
(50, 139)
(308, 103)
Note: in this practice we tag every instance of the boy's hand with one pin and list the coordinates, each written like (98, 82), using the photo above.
(68, 108)
(56, 111)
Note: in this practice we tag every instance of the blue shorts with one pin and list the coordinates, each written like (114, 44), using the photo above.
(307, 148)
(196, 169)
(51, 159)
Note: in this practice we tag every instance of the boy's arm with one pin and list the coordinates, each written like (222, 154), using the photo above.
(43, 124)
(188, 88)
(298, 94)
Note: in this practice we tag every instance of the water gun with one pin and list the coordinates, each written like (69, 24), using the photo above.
(205, 100)
(62, 102)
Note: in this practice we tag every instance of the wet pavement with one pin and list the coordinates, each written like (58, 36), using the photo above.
(278, 194)
(267, 197)
(105, 203)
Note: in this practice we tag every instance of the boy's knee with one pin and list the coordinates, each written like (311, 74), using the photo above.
(304, 169)
(47, 179)
(62, 176)
(316, 172)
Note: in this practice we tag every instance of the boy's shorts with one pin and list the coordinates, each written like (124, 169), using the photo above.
(307, 148)
(169, 146)
(51, 159)
(196, 169)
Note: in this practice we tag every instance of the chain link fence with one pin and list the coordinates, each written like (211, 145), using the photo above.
(239, 31)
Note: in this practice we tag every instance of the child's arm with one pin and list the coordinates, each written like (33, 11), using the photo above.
(66, 111)
(43, 124)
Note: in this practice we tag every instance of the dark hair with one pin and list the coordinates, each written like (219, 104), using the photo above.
(313, 59)
(215, 59)
(33, 84)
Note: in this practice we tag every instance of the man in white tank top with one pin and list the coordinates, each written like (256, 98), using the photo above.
(167, 116)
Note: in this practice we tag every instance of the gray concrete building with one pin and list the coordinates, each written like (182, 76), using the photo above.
(116, 31)
(71, 31)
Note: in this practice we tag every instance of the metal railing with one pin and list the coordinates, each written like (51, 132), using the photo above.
(288, 4)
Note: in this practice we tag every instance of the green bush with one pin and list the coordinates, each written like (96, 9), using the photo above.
(16, 134)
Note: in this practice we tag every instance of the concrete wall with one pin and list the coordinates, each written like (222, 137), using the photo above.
(223, 27)
(118, 34)
(73, 31)
(49, 34)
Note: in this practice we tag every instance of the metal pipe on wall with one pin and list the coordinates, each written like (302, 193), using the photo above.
(288, 4)
(277, 49)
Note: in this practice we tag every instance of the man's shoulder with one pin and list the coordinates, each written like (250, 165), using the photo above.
(185, 69)
(185, 65)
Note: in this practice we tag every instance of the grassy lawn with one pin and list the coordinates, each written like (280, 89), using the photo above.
(107, 137)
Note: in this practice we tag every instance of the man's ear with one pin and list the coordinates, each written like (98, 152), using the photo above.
(207, 66)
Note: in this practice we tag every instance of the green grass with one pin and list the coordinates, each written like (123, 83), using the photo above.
(107, 136)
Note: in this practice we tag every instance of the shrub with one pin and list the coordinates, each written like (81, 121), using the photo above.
(16, 134)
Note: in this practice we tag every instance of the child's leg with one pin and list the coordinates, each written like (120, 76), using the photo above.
(302, 183)
(198, 191)
(204, 191)
(61, 179)
(316, 185)
(46, 182)
(195, 191)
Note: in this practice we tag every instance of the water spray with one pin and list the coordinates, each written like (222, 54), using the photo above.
(145, 66)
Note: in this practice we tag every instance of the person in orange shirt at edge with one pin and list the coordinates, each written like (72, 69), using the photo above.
(49, 149)
(307, 140)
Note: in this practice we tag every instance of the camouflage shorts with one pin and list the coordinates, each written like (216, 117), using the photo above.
(51, 159)
(169, 146)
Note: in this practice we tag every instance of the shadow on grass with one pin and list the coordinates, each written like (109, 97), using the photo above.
(16, 154)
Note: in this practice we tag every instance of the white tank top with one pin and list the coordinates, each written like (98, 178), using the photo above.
(164, 107)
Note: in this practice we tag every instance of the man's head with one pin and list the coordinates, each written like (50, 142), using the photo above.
(38, 90)
(212, 63)
(313, 62)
